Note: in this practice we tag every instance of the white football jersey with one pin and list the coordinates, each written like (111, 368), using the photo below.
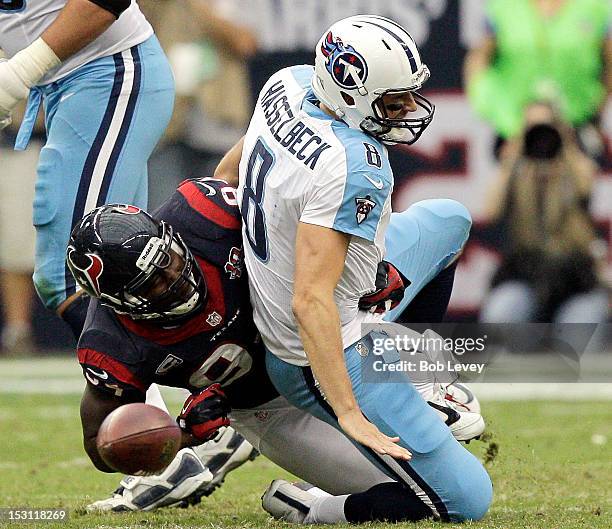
(23, 21)
(301, 165)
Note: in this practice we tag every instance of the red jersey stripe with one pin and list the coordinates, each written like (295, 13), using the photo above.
(208, 208)
(91, 357)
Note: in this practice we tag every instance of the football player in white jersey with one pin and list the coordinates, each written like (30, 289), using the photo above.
(315, 196)
(108, 94)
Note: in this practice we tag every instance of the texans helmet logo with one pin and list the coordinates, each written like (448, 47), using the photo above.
(346, 66)
(127, 209)
(90, 272)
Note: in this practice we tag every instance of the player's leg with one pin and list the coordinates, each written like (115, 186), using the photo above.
(307, 447)
(443, 480)
(103, 121)
(423, 243)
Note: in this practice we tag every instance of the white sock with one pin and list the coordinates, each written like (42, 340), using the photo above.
(319, 493)
(154, 398)
(327, 509)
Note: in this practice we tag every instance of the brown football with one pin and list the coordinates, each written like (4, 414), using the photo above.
(138, 438)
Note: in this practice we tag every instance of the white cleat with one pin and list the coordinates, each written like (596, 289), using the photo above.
(461, 395)
(183, 476)
(287, 502)
(225, 452)
(464, 425)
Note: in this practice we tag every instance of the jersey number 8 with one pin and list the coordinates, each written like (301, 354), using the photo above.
(259, 166)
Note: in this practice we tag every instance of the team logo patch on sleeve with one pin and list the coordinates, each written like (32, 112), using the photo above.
(364, 206)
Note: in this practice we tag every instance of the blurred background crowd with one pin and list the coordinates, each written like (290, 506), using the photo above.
(521, 136)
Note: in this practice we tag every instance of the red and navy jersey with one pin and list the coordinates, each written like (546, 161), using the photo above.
(219, 344)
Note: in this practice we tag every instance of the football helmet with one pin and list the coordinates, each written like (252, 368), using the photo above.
(121, 255)
(363, 58)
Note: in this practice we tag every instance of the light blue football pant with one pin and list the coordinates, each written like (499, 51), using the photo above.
(445, 476)
(423, 240)
(103, 121)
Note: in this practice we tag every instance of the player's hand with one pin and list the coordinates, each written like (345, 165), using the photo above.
(389, 290)
(12, 90)
(204, 413)
(356, 426)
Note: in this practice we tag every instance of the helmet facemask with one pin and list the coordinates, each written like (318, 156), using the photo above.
(185, 292)
(405, 130)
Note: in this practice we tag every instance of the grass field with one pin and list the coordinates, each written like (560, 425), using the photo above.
(550, 461)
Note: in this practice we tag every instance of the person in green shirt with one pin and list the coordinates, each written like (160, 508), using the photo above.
(559, 50)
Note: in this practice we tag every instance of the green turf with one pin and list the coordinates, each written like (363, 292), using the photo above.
(546, 470)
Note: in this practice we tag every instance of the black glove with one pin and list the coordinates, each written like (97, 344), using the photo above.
(204, 413)
(389, 290)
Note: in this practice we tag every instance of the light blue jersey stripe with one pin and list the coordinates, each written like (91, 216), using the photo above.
(303, 75)
(369, 178)
(369, 181)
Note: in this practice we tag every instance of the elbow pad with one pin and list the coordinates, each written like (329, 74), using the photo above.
(116, 7)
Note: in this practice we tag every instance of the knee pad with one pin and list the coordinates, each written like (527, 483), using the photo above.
(424, 239)
(448, 216)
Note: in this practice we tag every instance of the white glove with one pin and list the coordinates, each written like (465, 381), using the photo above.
(20, 73)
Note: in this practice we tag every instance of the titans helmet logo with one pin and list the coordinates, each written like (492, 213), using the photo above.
(347, 67)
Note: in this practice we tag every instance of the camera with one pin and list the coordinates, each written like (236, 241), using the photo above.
(542, 141)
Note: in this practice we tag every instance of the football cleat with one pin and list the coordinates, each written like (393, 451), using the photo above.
(463, 398)
(225, 452)
(288, 502)
(185, 474)
(464, 425)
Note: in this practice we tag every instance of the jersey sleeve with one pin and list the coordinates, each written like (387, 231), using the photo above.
(107, 373)
(203, 206)
(351, 197)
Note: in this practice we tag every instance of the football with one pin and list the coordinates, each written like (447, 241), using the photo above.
(138, 437)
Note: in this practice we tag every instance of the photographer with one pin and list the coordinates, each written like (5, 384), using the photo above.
(550, 249)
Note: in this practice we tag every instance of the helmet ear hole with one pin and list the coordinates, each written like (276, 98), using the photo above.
(349, 100)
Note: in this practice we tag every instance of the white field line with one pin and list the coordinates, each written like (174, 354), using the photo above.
(63, 376)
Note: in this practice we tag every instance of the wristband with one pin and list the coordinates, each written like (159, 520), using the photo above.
(32, 63)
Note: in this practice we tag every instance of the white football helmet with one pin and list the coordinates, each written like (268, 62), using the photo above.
(359, 60)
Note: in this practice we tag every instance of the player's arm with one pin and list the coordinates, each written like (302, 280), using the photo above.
(95, 406)
(78, 23)
(319, 262)
(228, 166)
